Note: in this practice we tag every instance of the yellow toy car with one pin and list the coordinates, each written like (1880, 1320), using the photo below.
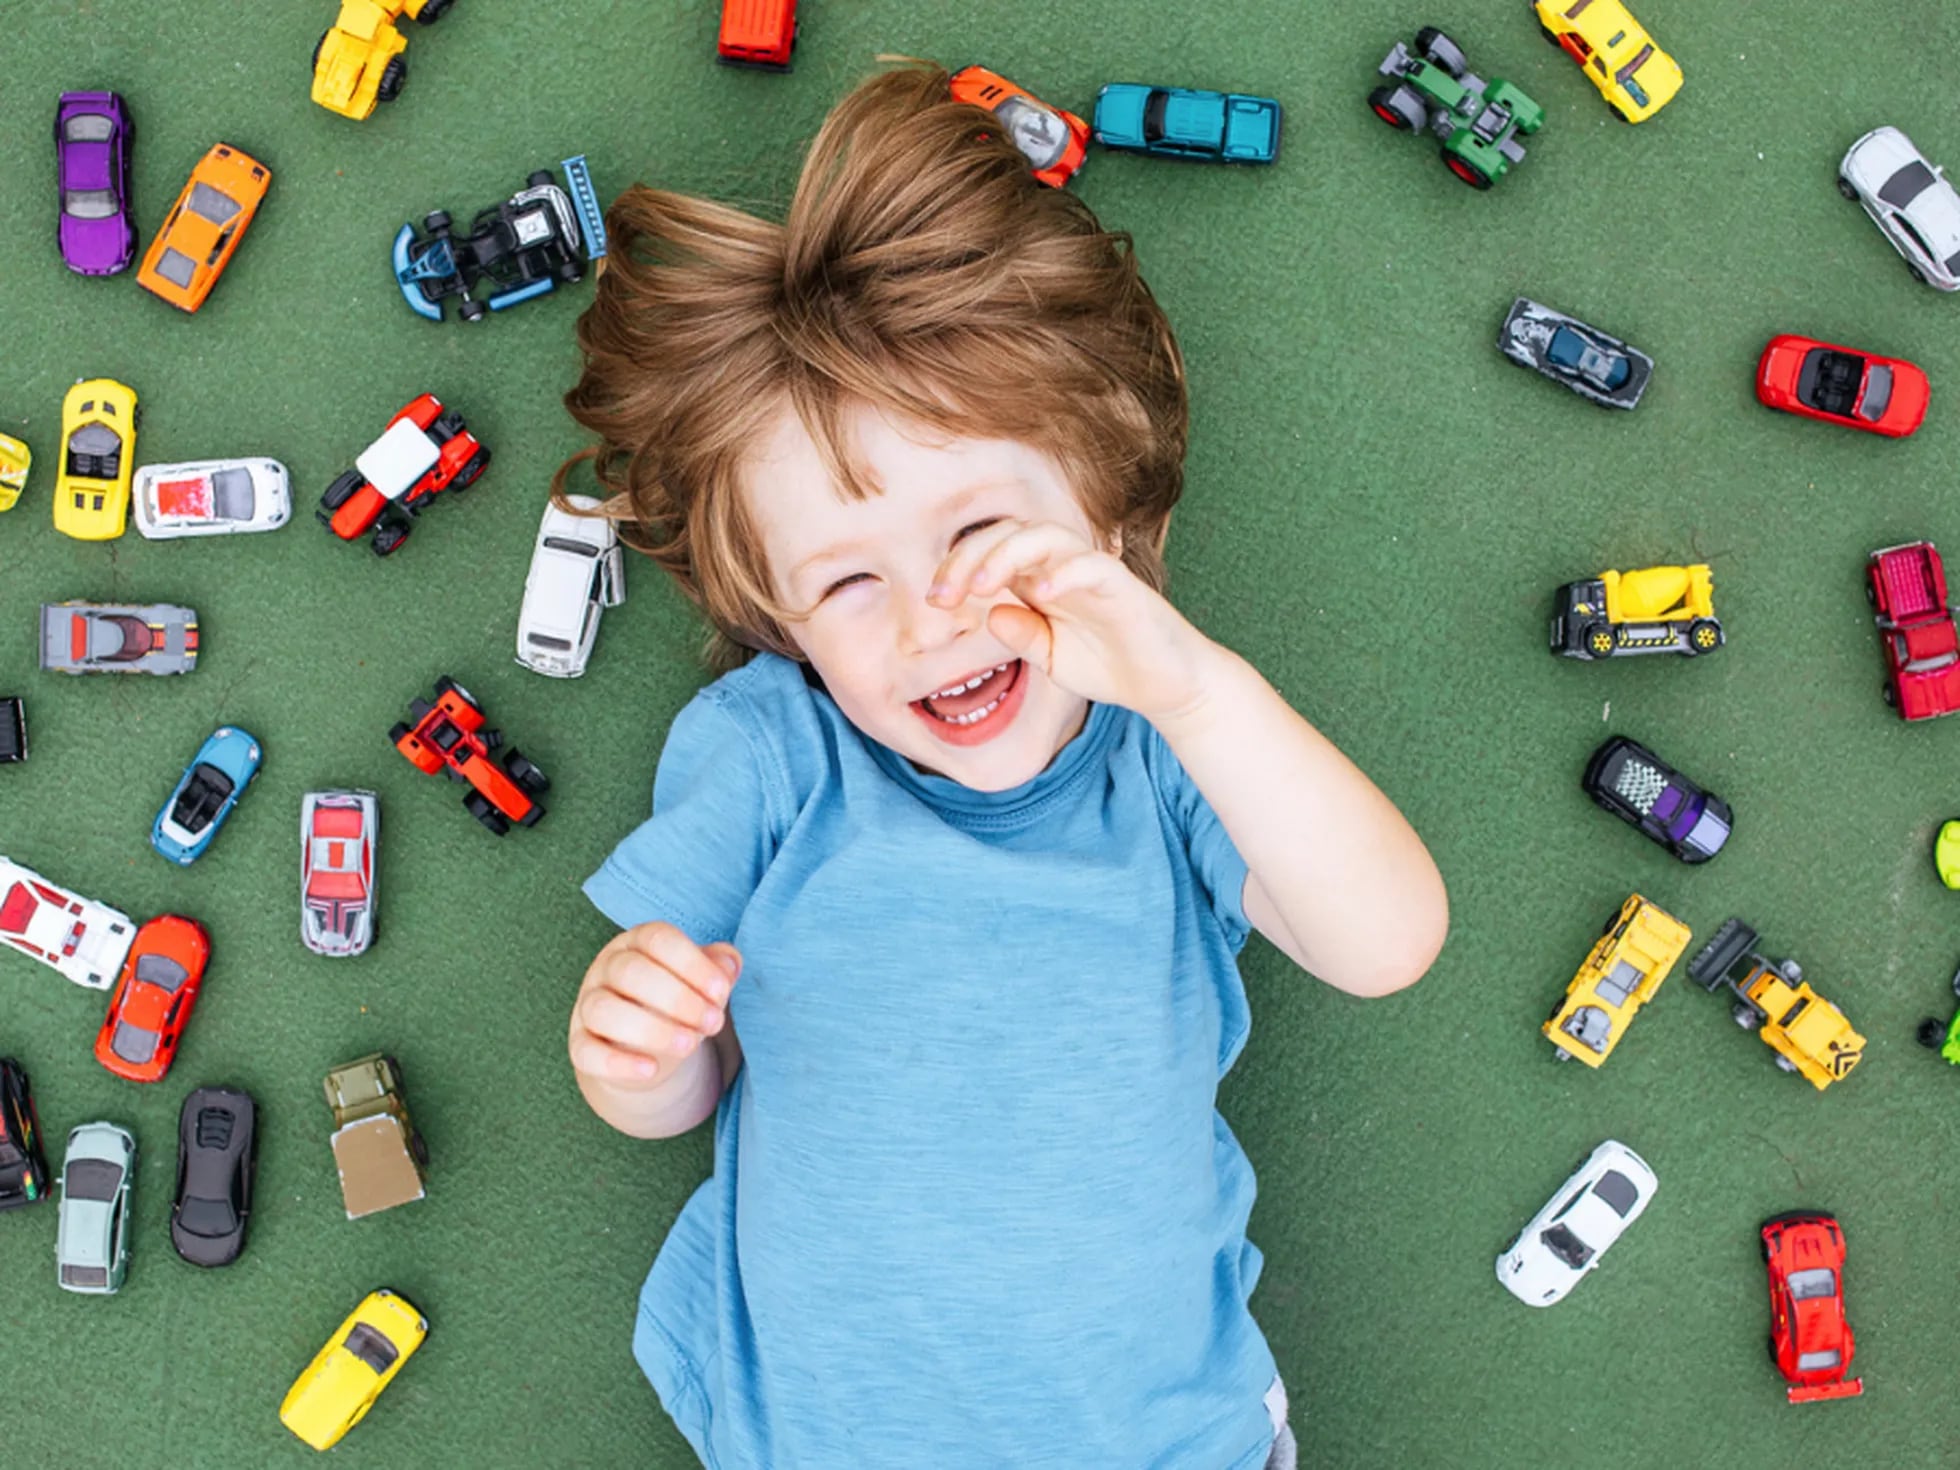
(342, 1383)
(15, 458)
(359, 62)
(1809, 1035)
(1635, 76)
(98, 453)
(1624, 971)
(1653, 610)
(1946, 854)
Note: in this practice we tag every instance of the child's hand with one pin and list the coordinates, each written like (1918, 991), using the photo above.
(649, 998)
(1084, 619)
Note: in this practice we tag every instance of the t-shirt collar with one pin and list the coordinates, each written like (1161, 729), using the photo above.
(944, 794)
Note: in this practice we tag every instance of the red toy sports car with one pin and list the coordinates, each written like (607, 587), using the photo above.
(1055, 142)
(1881, 395)
(1907, 586)
(153, 999)
(449, 736)
(1809, 1339)
(425, 450)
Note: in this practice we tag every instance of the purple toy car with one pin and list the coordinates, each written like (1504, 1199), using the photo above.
(91, 144)
(1644, 791)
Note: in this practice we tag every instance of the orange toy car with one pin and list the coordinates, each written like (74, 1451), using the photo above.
(204, 227)
(449, 736)
(1055, 142)
(153, 999)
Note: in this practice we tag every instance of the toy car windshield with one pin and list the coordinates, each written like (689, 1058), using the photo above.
(1561, 1242)
(212, 204)
(371, 1347)
(1036, 131)
(94, 1179)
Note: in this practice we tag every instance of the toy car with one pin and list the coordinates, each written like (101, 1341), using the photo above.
(99, 417)
(84, 941)
(118, 638)
(15, 461)
(1635, 76)
(576, 573)
(342, 1382)
(449, 735)
(1818, 380)
(204, 226)
(154, 999)
(1645, 792)
(1910, 200)
(13, 731)
(1946, 854)
(217, 776)
(1565, 1241)
(217, 1138)
(1809, 1340)
(338, 831)
(1590, 362)
(1943, 1036)
(1054, 142)
(91, 161)
(1623, 971)
(92, 1225)
(1653, 610)
(23, 1166)
(381, 1159)
(1179, 122)
(515, 250)
(1809, 1035)
(359, 62)
(212, 497)
(425, 450)
(1906, 585)
(1479, 122)
(757, 33)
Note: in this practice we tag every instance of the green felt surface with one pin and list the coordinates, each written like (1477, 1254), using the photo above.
(1379, 507)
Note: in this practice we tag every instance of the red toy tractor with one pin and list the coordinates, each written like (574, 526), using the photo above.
(425, 450)
(449, 736)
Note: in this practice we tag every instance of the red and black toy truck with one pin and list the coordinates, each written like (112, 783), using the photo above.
(759, 33)
(425, 450)
(1907, 585)
(449, 735)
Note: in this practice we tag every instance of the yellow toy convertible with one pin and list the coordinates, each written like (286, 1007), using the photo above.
(359, 62)
(14, 461)
(1623, 972)
(1653, 610)
(1809, 1035)
(1635, 76)
(98, 454)
(342, 1383)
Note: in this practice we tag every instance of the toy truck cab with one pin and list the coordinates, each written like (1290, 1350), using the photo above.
(381, 1158)
(1907, 588)
(1623, 972)
(1809, 1035)
(1431, 86)
(758, 33)
(1652, 610)
(449, 735)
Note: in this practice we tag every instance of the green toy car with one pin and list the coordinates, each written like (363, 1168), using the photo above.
(1943, 1036)
(1479, 122)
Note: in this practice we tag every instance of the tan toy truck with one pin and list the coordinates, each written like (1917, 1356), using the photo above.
(381, 1158)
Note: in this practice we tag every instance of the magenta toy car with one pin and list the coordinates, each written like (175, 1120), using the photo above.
(91, 143)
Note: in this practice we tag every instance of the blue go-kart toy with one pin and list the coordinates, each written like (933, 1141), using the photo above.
(217, 776)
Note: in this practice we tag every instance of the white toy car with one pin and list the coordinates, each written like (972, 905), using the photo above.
(1910, 199)
(211, 497)
(337, 835)
(1566, 1239)
(577, 572)
(87, 942)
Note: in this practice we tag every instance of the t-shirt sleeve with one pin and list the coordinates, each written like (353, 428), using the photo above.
(1215, 861)
(696, 862)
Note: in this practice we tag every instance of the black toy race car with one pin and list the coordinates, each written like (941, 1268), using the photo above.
(23, 1164)
(1642, 790)
(1592, 363)
(217, 1134)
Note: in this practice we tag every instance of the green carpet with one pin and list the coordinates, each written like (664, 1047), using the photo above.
(1379, 507)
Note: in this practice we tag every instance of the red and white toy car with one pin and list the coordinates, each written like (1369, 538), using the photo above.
(85, 941)
(1907, 586)
(449, 735)
(1809, 1338)
(337, 835)
(1881, 395)
(426, 449)
(154, 999)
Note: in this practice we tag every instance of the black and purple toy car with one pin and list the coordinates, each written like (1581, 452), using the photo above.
(1642, 790)
(92, 131)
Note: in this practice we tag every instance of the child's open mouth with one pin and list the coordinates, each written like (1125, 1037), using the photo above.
(977, 710)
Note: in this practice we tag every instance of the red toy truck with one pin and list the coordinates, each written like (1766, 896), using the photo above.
(425, 450)
(1907, 585)
(449, 736)
(759, 33)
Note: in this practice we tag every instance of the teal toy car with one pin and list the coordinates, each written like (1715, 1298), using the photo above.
(1432, 87)
(1177, 122)
(92, 1226)
(217, 776)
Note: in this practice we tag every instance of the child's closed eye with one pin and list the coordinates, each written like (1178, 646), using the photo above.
(856, 577)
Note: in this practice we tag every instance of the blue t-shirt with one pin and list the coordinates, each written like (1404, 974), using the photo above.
(973, 1204)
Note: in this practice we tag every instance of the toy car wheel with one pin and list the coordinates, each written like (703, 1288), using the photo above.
(1886, 693)
(435, 222)
(1871, 593)
(317, 46)
(471, 311)
(1400, 107)
(472, 470)
(397, 733)
(1550, 35)
(1931, 1034)
(392, 77)
(1599, 640)
(1703, 636)
(1614, 108)
(477, 806)
(1438, 47)
(1772, 1337)
(388, 538)
(1466, 171)
(1847, 188)
(1784, 1064)
(1917, 274)
(432, 11)
(1792, 971)
(539, 179)
(568, 271)
(420, 1148)
(1745, 1017)
(344, 485)
(1560, 1054)
(526, 773)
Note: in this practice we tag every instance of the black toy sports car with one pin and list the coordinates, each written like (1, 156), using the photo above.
(1642, 790)
(216, 1158)
(23, 1166)
(1590, 362)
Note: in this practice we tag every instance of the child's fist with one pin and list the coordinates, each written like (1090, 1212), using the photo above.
(647, 1002)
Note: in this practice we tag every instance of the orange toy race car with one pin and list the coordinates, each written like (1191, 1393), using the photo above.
(204, 227)
(424, 450)
(449, 736)
(1055, 142)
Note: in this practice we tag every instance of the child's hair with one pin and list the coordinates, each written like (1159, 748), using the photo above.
(922, 271)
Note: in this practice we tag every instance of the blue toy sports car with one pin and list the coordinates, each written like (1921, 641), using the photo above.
(224, 766)
(1175, 122)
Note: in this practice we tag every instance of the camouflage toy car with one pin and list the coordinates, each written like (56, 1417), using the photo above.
(118, 638)
(1809, 1035)
(1638, 947)
(381, 1158)
(1431, 87)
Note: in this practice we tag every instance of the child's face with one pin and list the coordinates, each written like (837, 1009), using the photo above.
(879, 646)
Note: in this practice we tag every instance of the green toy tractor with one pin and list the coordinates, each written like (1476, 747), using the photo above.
(1479, 122)
(1943, 1036)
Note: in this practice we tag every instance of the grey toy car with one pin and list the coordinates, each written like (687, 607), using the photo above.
(1910, 200)
(92, 1233)
(1594, 364)
(118, 638)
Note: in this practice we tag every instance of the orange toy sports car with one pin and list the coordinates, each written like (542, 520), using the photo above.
(153, 1000)
(204, 227)
(1055, 142)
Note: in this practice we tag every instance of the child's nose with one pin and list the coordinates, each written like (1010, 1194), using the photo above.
(925, 626)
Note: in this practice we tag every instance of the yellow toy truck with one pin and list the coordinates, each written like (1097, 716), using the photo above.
(1638, 947)
(359, 62)
(1653, 610)
(15, 460)
(1809, 1035)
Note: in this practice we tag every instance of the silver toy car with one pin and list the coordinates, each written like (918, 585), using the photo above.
(92, 1236)
(338, 831)
(1910, 199)
(1592, 363)
(118, 638)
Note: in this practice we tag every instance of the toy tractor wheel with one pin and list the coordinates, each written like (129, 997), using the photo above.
(1792, 971)
(1475, 177)
(344, 485)
(492, 738)
(1560, 1054)
(431, 13)
(436, 223)
(539, 179)
(1599, 640)
(447, 685)
(1847, 188)
(1745, 1016)
(1784, 1064)
(479, 807)
(417, 708)
(471, 311)
(392, 77)
(397, 733)
(1400, 107)
(472, 470)
(388, 538)
(1931, 1034)
(526, 774)
(1437, 47)
(1703, 636)
(568, 271)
